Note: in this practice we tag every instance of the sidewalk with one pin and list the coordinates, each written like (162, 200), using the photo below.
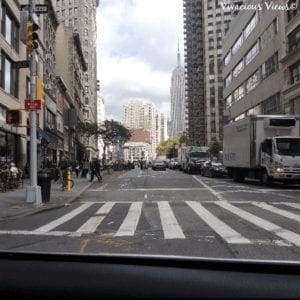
(13, 203)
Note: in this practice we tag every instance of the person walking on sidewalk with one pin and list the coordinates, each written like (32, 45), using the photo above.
(95, 170)
(63, 167)
(77, 168)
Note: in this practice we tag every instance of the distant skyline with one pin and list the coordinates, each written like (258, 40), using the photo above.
(137, 51)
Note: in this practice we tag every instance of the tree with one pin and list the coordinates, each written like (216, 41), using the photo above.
(214, 148)
(184, 139)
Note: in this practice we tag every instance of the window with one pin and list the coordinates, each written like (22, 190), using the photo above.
(10, 28)
(250, 26)
(50, 120)
(237, 45)
(271, 105)
(295, 72)
(86, 9)
(292, 12)
(238, 69)
(269, 34)
(294, 39)
(75, 11)
(252, 81)
(70, 11)
(227, 80)
(239, 93)
(270, 66)
(228, 101)
(227, 58)
(9, 76)
(252, 53)
(63, 13)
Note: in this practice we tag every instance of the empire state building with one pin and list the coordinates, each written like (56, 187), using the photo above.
(178, 98)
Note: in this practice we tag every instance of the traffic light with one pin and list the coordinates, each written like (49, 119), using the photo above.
(31, 36)
(40, 89)
(14, 116)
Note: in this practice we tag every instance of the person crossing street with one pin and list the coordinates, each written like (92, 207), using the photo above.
(95, 170)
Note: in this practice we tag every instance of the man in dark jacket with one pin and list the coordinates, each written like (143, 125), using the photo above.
(95, 170)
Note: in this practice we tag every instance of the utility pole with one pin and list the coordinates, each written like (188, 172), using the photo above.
(33, 192)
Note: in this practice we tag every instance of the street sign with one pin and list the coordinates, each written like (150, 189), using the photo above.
(33, 104)
(39, 8)
(22, 64)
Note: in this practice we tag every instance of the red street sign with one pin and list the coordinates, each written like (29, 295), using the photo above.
(33, 104)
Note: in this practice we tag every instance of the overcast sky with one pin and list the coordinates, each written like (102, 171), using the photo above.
(137, 51)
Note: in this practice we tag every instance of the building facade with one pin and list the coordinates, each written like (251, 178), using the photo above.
(81, 17)
(205, 24)
(177, 92)
(256, 58)
(138, 114)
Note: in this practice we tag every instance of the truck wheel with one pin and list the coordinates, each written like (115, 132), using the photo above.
(265, 179)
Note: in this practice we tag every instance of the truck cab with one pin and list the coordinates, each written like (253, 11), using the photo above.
(194, 158)
(280, 159)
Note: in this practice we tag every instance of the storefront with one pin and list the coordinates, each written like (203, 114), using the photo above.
(8, 147)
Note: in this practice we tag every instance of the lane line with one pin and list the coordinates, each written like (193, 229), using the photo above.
(216, 194)
(227, 233)
(129, 225)
(287, 235)
(27, 232)
(170, 226)
(278, 211)
(48, 227)
(91, 224)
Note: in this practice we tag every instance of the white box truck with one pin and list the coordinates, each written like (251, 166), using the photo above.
(264, 147)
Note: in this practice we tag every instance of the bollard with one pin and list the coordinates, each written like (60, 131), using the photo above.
(69, 181)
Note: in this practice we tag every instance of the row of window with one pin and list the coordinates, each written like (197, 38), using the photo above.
(63, 12)
(268, 107)
(261, 43)
(10, 27)
(243, 36)
(266, 69)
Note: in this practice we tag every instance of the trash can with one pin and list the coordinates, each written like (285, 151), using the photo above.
(44, 181)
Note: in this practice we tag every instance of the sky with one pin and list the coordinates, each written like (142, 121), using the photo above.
(137, 51)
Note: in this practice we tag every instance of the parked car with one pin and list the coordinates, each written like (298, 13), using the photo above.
(159, 165)
(213, 169)
(173, 163)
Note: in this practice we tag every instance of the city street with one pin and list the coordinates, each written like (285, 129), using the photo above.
(167, 213)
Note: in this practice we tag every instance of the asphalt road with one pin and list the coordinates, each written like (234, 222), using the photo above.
(167, 213)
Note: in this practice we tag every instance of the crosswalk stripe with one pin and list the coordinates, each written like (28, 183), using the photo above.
(278, 211)
(48, 227)
(91, 224)
(288, 235)
(294, 205)
(227, 233)
(129, 225)
(169, 223)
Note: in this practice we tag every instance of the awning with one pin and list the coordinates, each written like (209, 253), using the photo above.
(41, 134)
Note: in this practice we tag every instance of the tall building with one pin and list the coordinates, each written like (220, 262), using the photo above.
(205, 23)
(261, 63)
(81, 16)
(178, 98)
(138, 114)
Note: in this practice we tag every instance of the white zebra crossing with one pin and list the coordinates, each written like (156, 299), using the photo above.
(227, 233)
(287, 235)
(91, 225)
(170, 226)
(129, 225)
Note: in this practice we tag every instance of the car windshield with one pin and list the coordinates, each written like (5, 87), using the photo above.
(110, 111)
(288, 146)
(199, 155)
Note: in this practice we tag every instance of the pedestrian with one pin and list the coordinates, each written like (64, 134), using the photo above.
(77, 168)
(95, 170)
(63, 167)
(85, 168)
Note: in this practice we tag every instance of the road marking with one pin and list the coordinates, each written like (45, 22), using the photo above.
(169, 223)
(27, 232)
(216, 194)
(91, 225)
(163, 189)
(294, 205)
(129, 225)
(278, 211)
(48, 227)
(227, 233)
(287, 235)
